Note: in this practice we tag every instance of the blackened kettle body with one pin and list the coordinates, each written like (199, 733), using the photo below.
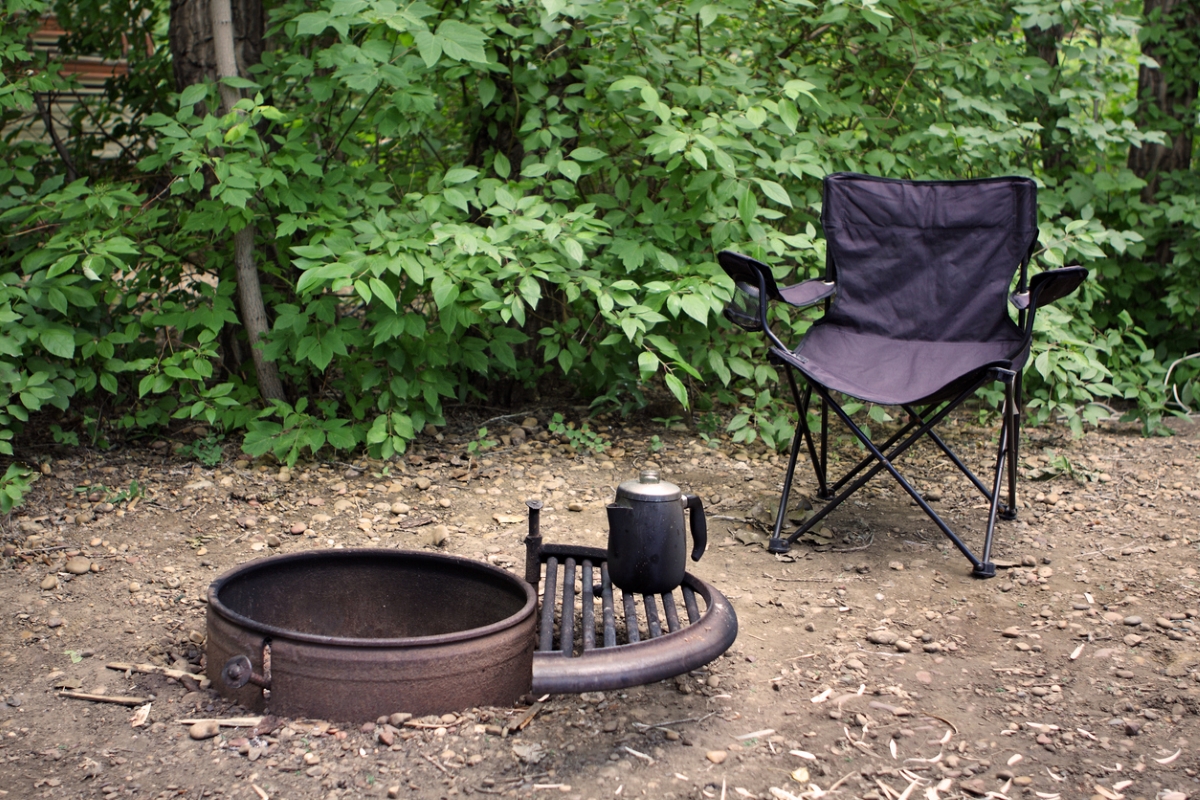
(647, 539)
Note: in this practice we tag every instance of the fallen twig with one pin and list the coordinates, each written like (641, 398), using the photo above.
(106, 698)
(435, 762)
(227, 722)
(154, 669)
(520, 723)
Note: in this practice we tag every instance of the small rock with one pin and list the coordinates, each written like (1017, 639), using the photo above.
(393, 792)
(716, 756)
(575, 506)
(297, 529)
(423, 483)
(1163, 622)
(1133, 640)
(974, 786)
(896, 565)
(400, 508)
(610, 726)
(399, 718)
(924, 677)
(78, 565)
(273, 540)
(1022, 780)
(903, 646)
(1012, 632)
(49, 583)
(1132, 621)
(932, 647)
(204, 730)
(312, 759)
(54, 622)
(882, 637)
(438, 535)
(1132, 727)
(1045, 572)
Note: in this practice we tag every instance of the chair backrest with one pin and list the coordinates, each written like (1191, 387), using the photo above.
(926, 260)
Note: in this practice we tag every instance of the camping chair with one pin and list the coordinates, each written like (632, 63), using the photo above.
(917, 278)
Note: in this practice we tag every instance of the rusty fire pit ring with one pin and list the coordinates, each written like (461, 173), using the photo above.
(356, 633)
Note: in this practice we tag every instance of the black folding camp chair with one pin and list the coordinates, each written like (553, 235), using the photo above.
(917, 280)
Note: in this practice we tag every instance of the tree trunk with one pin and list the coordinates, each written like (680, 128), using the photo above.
(1167, 95)
(1043, 43)
(191, 37)
(204, 46)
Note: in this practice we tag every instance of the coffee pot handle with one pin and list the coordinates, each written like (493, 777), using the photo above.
(698, 523)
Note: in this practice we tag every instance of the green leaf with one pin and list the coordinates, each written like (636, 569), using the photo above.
(648, 362)
(429, 47)
(58, 341)
(677, 388)
(774, 191)
(384, 293)
(501, 165)
(461, 42)
(570, 170)
(193, 94)
(459, 175)
(587, 154)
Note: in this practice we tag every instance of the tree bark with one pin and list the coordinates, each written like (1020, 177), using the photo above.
(210, 40)
(1167, 94)
(1043, 43)
(193, 57)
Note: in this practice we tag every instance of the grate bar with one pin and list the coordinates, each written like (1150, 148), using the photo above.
(589, 608)
(546, 629)
(631, 620)
(652, 616)
(668, 601)
(610, 617)
(689, 602)
(567, 627)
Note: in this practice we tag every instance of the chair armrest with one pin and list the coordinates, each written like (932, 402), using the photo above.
(1046, 287)
(808, 293)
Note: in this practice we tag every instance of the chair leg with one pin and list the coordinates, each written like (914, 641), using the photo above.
(884, 462)
(987, 569)
(1014, 445)
(823, 490)
(777, 544)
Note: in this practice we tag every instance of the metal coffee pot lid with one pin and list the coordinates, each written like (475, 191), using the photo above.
(649, 488)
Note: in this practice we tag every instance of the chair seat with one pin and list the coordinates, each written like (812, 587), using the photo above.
(896, 371)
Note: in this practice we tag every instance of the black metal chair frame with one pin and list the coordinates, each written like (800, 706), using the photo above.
(755, 281)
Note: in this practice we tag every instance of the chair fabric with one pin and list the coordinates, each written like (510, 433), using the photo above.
(916, 295)
(923, 271)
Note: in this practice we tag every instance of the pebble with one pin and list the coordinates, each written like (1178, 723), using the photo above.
(716, 756)
(1012, 632)
(1132, 621)
(882, 637)
(49, 583)
(896, 565)
(54, 622)
(974, 786)
(273, 540)
(1163, 622)
(1022, 780)
(1133, 640)
(423, 483)
(932, 647)
(438, 535)
(400, 508)
(904, 646)
(78, 565)
(204, 730)
(297, 529)
(575, 506)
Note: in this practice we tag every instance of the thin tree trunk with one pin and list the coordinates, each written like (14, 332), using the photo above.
(254, 312)
(1167, 93)
(1044, 44)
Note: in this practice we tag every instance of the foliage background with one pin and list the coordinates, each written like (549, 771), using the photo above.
(460, 204)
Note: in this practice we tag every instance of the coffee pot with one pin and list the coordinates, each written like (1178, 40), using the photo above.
(647, 540)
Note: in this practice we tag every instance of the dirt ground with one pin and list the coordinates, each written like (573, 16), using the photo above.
(868, 662)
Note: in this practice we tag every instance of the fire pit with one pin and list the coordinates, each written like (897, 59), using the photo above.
(358, 633)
